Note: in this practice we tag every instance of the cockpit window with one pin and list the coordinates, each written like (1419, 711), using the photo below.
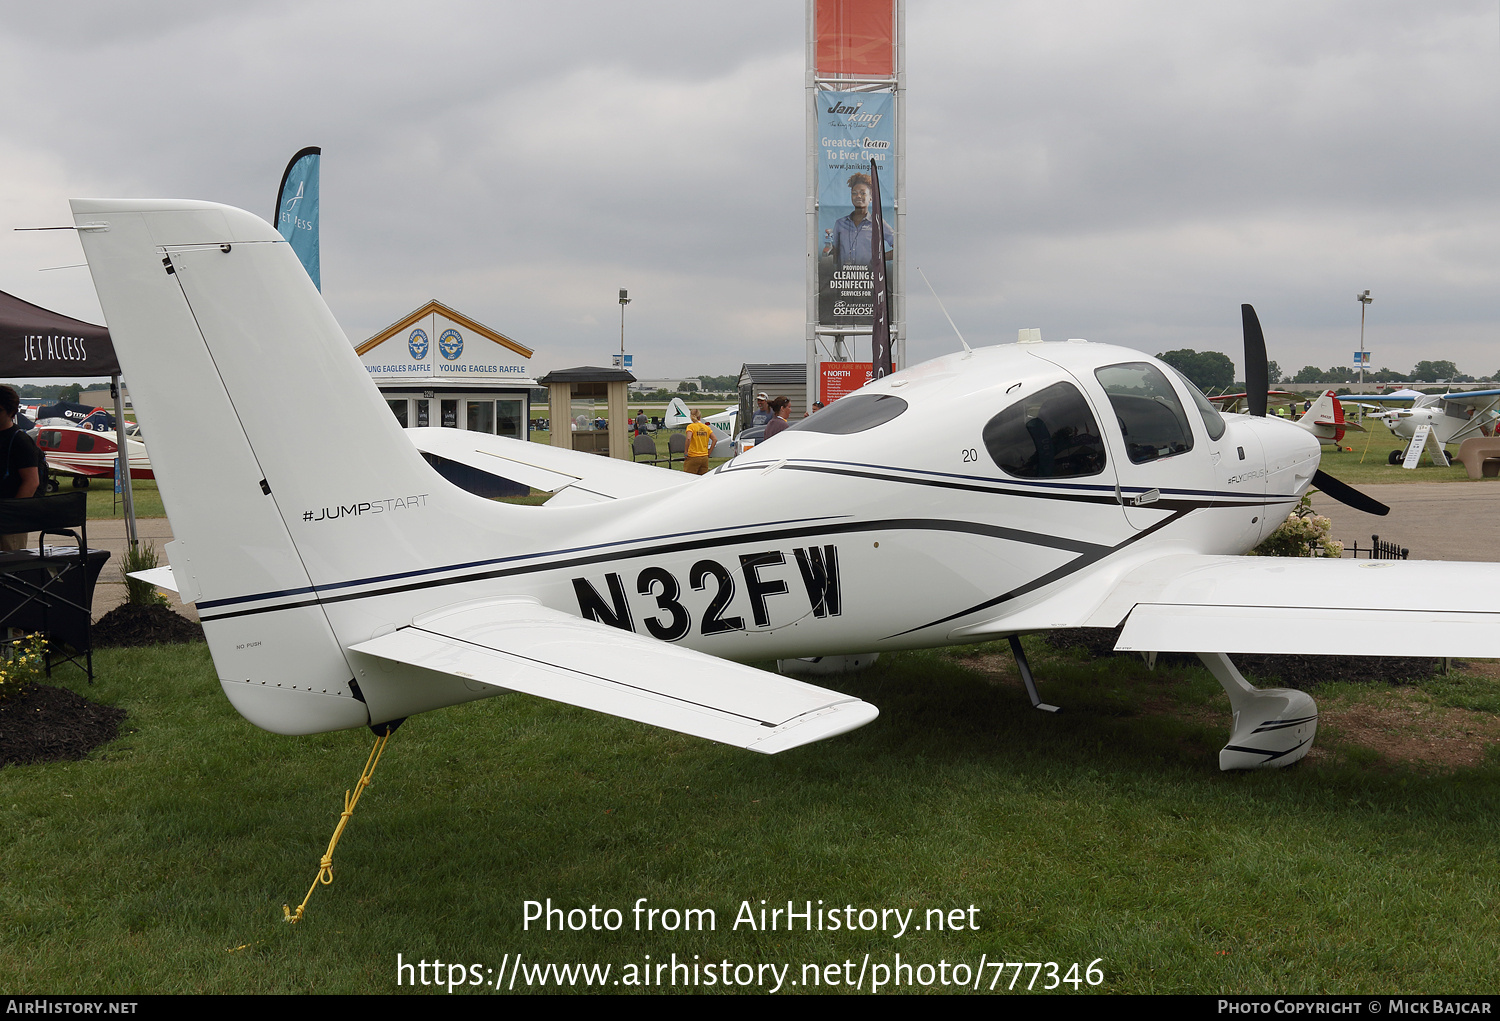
(852, 414)
(1212, 420)
(1151, 417)
(1049, 435)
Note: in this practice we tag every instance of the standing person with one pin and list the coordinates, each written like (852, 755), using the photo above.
(640, 422)
(762, 410)
(700, 441)
(21, 460)
(782, 408)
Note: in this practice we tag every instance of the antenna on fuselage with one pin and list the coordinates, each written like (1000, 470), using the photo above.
(967, 349)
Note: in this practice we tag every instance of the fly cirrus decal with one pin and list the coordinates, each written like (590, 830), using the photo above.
(670, 620)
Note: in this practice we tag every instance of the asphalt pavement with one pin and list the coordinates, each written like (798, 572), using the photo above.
(1435, 520)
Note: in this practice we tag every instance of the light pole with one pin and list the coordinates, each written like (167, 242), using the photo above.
(625, 300)
(1364, 299)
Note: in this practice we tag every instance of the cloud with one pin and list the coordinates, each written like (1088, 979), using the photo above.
(1120, 171)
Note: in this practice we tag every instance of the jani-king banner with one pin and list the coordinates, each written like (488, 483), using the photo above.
(297, 209)
(853, 129)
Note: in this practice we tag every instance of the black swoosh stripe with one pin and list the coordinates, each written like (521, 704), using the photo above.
(1207, 498)
(1071, 567)
(842, 528)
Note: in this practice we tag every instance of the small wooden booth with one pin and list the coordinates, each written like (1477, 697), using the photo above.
(587, 408)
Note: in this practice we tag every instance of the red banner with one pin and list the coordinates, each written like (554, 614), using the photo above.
(856, 37)
(839, 379)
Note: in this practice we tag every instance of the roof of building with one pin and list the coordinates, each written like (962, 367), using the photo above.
(773, 374)
(443, 310)
(587, 374)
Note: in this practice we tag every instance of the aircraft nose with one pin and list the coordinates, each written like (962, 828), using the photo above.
(1292, 455)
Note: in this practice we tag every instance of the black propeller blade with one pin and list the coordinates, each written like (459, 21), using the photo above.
(1257, 379)
(1347, 494)
(1258, 385)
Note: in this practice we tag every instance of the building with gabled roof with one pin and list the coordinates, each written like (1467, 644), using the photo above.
(436, 366)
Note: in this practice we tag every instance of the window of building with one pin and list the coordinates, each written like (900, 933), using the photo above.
(481, 416)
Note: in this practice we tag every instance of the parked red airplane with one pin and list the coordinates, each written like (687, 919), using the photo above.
(85, 454)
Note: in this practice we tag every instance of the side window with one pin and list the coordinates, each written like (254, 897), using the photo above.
(1151, 417)
(85, 443)
(1049, 435)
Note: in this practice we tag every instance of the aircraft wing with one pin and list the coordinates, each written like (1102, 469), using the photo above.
(576, 476)
(519, 645)
(1303, 606)
(1272, 397)
(1474, 398)
(1308, 606)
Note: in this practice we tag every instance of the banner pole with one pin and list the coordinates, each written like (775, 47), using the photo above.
(122, 461)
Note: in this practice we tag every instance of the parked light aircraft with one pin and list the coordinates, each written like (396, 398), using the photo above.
(1324, 417)
(981, 495)
(1454, 417)
(86, 454)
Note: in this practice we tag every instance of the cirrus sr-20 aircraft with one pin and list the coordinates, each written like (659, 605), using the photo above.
(982, 495)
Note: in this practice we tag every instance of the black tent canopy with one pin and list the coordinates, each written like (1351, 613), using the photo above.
(35, 341)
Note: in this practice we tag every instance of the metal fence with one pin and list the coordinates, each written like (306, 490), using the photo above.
(1378, 549)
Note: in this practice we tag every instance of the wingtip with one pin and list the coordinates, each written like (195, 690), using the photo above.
(816, 726)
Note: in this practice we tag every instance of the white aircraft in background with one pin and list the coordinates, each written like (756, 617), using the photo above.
(982, 495)
(678, 416)
(1454, 417)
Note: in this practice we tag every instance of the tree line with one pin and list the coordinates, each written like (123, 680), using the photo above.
(1213, 371)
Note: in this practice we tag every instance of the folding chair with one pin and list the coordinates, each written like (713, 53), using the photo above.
(644, 444)
(51, 589)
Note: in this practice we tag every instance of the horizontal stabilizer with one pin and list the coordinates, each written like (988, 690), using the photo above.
(158, 577)
(520, 645)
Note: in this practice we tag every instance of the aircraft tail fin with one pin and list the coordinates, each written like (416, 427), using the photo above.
(677, 415)
(231, 357)
(1325, 418)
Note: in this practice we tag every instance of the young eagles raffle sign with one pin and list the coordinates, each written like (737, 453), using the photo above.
(438, 343)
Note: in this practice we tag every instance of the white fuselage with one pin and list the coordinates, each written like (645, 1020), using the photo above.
(300, 537)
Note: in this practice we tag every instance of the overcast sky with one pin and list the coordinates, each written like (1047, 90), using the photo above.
(1121, 171)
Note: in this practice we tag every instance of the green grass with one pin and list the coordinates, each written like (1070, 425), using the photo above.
(104, 503)
(161, 863)
(1367, 464)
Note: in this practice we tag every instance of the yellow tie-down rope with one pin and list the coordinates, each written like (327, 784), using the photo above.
(351, 798)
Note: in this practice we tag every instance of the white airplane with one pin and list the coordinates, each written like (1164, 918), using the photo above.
(981, 495)
(1454, 417)
(679, 415)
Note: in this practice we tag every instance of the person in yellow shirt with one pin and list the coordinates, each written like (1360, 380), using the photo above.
(700, 441)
